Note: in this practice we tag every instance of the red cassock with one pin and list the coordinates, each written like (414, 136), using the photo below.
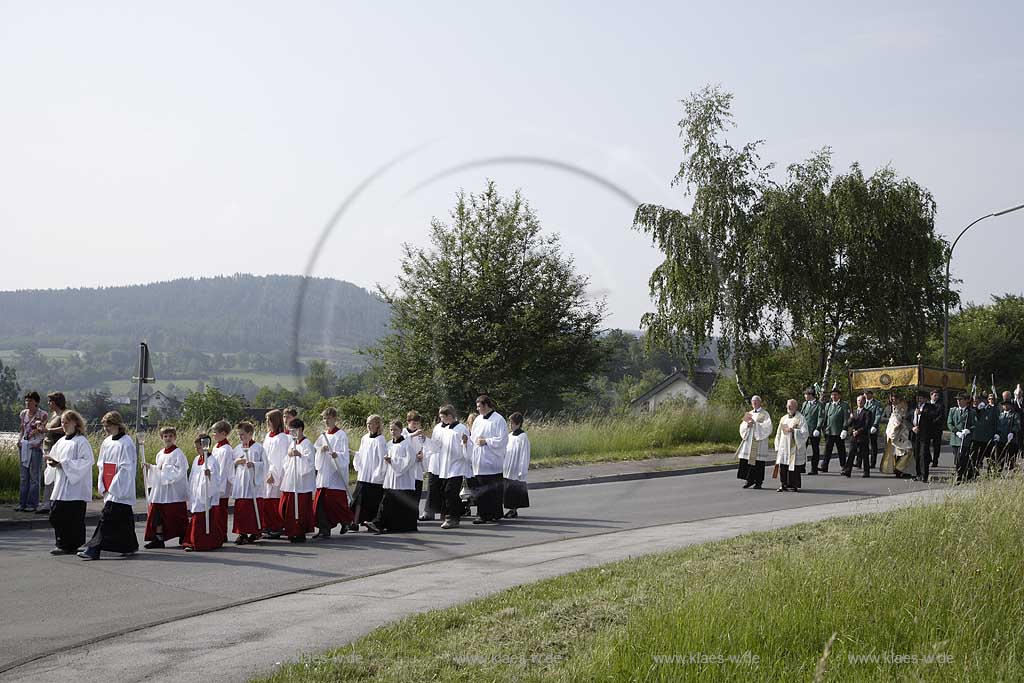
(335, 504)
(172, 516)
(302, 525)
(222, 519)
(270, 513)
(245, 517)
(196, 536)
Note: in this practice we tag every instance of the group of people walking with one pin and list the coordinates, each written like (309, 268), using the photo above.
(288, 485)
(982, 433)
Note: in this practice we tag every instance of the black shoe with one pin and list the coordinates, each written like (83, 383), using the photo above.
(43, 511)
(342, 529)
(426, 518)
(865, 475)
(353, 526)
(61, 551)
(481, 520)
(241, 540)
(154, 544)
(89, 554)
(748, 484)
(297, 539)
(822, 469)
(757, 486)
(813, 472)
(846, 473)
(511, 514)
(781, 489)
(274, 535)
(370, 526)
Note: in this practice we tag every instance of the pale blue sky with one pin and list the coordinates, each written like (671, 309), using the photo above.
(159, 141)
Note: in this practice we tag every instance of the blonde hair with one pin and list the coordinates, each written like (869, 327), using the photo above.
(329, 411)
(375, 418)
(164, 431)
(221, 427)
(114, 419)
(73, 416)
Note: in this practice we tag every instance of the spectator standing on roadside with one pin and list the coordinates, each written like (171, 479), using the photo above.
(54, 431)
(30, 447)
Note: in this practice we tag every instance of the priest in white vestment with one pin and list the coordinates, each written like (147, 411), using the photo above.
(753, 453)
(791, 447)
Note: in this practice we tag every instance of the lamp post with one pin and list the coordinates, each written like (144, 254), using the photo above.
(949, 257)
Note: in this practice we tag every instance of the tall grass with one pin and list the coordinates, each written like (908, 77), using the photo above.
(939, 584)
(679, 430)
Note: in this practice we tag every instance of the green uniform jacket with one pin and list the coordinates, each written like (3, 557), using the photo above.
(814, 415)
(875, 406)
(1009, 423)
(959, 419)
(836, 415)
(986, 424)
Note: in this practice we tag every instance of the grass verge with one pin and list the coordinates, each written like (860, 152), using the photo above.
(930, 593)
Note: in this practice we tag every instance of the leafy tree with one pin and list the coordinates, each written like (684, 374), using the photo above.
(10, 393)
(320, 378)
(988, 339)
(492, 305)
(276, 397)
(851, 263)
(93, 405)
(204, 408)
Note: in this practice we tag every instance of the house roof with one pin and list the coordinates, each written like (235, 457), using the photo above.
(701, 381)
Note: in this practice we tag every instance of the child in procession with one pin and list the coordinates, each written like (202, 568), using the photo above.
(203, 500)
(370, 468)
(398, 506)
(167, 479)
(298, 481)
(223, 453)
(516, 466)
(250, 466)
(72, 458)
(275, 446)
(117, 465)
(413, 431)
(330, 505)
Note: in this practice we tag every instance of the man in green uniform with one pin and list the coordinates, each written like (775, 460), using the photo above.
(837, 412)
(874, 406)
(1009, 427)
(960, 423)
(814, 414)
(985, 435)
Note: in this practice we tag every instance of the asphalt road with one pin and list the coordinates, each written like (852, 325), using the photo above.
(52, 603)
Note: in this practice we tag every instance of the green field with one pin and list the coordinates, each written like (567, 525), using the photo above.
(125, 387)
(7, 354)
(929, 593)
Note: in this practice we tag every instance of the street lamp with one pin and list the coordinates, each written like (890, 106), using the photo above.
(949, 257)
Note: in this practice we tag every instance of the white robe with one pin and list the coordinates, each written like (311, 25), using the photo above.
(400, 473)
(167, 478)
(198, 484)
(332, 475)
(369, 460)
(450, 457)
(300, 470)
(754, 444)
(73, 480)
(120, 453)
(517, 457)
(418, 445)
(276, 448)
(489, 458)
(249, 481)
(224, 454)
(790, 449)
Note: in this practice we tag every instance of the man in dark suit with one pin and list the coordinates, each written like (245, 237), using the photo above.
(923, 423)
(935, 433)
(859, 426)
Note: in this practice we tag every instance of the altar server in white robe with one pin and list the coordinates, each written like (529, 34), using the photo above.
(791, 447)
(298, 484)
(117, 464)
(224, 454)
(489, 440)
(413, 431)
(449, 446)
(275, 445)
(753, 453)
(517, 464)
(203, 500)
(249, 462)
(399, 508)
(71, 458)
(370, 469)
(167, 481)
(330, 504)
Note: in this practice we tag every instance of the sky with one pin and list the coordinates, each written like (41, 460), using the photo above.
(143, 142)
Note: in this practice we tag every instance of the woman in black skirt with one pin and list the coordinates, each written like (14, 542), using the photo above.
(71, 457)
(517, 464)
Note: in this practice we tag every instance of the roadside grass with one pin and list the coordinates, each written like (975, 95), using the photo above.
(679, 431)
(941, 583)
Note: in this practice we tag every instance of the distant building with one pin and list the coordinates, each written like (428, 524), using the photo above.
(678, 384)
(157, 403)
